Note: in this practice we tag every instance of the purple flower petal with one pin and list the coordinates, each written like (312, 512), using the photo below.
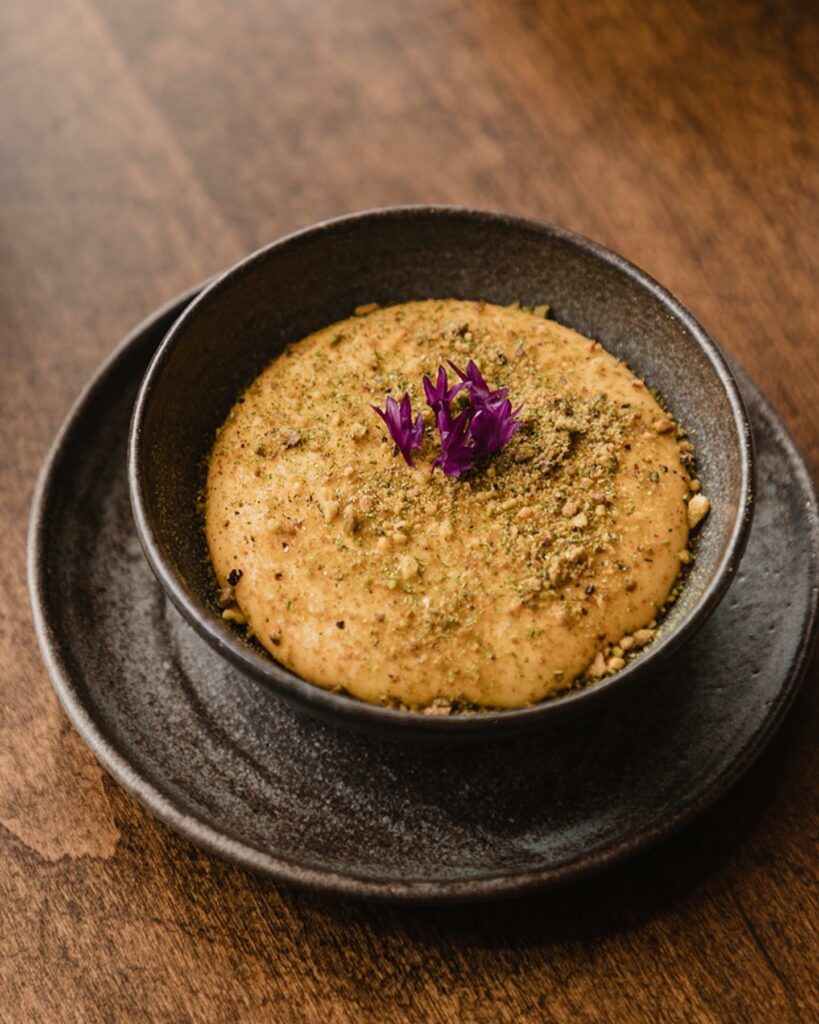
(398, 419)
(481, 429)
(492, 426)
(493, 421)
(479, 391)
(456, 443)
(439, 395)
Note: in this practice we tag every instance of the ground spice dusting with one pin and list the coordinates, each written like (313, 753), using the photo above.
(546, 566)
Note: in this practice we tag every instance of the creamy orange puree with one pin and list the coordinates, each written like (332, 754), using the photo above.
(544, 567)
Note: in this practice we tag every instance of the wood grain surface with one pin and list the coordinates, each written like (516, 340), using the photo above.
(145, 145)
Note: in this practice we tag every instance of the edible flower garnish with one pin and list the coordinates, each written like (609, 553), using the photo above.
(398, 418)
(482, 428)
(479, 390)
(492, 426)
(439, 395)
(493, 420)
(457, 449)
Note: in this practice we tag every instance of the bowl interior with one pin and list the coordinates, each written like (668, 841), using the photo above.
(308, 280)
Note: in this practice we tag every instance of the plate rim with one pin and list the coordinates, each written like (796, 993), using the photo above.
(202, 834)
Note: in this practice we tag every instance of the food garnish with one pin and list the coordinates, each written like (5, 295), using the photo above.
(482, 427)
(406, 434)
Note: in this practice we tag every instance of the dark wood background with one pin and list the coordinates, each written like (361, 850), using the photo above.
(147, 144)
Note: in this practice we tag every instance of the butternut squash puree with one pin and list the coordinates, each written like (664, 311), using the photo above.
(539, 570)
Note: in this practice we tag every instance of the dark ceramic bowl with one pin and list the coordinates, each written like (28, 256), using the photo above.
(312, 278)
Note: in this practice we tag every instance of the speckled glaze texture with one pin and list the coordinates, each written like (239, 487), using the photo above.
(206, 749)
(233, 330)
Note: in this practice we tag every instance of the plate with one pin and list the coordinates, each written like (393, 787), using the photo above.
(217, 758)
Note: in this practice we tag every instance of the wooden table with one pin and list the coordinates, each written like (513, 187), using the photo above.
(146, 145)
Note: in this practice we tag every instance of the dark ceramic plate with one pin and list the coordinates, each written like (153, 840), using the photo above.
(314, 277)
(209, 752)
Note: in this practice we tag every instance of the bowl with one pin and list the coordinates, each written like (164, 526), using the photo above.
(281, 293)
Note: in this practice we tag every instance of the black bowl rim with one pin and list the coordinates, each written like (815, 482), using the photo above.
(351, 711)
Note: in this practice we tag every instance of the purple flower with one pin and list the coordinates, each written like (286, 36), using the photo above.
(481, 429)
(398, 418)
(492, 425)
(457, 450)
(440, 394)
(479, 390)
(493, 421)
